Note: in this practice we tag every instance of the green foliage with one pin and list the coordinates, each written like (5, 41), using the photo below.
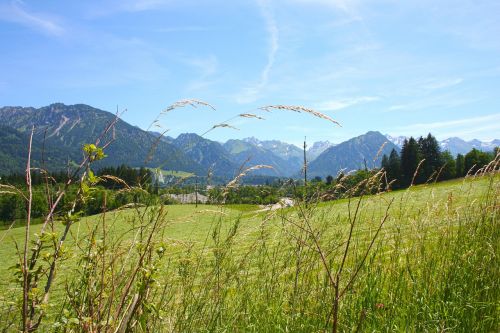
(430, 151)
(410, 158)
(434, 164)
(460, 165)
(392, 166)
(11, 207)
(94, 153)
(141, 177)
(449, 170)
(475, 160)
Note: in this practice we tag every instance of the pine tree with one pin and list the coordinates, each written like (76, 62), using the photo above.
(394, 172)
(431, 152)
(385, 162)
(410, 157)
(392, 167)
(460, 166)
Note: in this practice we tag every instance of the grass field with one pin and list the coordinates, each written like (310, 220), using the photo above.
(433, 266)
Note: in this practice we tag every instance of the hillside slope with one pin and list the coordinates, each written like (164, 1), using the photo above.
(210, 155)
(352, 155)
(69, 127)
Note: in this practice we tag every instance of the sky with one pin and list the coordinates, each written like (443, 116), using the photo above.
(399, 67)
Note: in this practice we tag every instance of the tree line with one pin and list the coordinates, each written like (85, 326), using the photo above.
(107, 193)
(422, 160)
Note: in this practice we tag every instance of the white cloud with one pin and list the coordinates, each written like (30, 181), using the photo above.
(339, 104)
(251, 93)
(15, 12)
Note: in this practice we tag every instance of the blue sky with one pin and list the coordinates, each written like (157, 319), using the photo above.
(400, 67)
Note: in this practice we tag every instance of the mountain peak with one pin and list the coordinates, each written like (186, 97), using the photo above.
(253, 140)
(317, 148)
(189, 136)
(352, 154)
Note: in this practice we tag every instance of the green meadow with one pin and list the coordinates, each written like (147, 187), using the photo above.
(420, 259)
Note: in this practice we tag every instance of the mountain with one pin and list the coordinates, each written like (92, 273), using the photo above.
(397, 140)
(14, 153)
(210, 155)
(163, 137)
(286, 151)
(67, 128)
(249, 154)
(282, 149)
(351, 155)
(458, 146)
(317, 148)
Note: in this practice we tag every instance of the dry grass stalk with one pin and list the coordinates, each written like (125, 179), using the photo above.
(155, 144)
(379, 151)
(191, 102)
(221, 125)
(9, 189)
(493, 165)
(116, 180)
(250, 115)
(416, 172)
(299, 109)
(26, 288)
(179, 104)
(233, 182)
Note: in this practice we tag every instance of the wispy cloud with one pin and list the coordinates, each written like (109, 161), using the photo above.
(349, 7)
(118, 6)
(142, 5)
(207, 67)
(468, 122)
(301, 129)
(16, 12)
(189, 28)
(440, 84)
(441, 101)
(251, 93)
(339, 104)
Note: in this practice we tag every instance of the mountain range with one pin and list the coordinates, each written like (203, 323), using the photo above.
(454, 145)
(62, 130)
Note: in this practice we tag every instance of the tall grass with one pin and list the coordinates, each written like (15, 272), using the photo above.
(433, 267)
(400, 261)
